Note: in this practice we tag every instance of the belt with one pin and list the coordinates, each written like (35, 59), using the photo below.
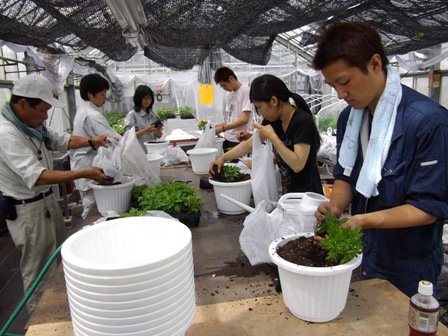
(34, 199)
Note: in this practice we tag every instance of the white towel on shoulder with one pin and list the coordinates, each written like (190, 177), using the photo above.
(382, 128)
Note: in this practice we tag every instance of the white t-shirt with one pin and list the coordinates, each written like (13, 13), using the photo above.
(237, 102)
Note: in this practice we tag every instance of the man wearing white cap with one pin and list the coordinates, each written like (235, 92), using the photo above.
(33, 215)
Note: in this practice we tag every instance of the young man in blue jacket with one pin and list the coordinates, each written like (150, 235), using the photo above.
(392, 149)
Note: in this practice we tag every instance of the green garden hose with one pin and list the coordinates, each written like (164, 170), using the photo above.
(28, 295)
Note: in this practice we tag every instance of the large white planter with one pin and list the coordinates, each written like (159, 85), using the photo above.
(315, 294)
(201, 158)
(239, 191)
(115, 197)
(157, 147)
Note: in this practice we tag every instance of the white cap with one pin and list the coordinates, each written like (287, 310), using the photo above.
(425, 287)
(36, 86)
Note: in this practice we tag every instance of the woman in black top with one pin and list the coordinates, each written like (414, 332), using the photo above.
(290, 129)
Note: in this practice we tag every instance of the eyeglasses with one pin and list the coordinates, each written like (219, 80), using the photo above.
(147, 98)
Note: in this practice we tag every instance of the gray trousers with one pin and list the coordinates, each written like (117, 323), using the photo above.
(37, 235)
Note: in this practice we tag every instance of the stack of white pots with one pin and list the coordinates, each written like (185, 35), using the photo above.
(130, 276)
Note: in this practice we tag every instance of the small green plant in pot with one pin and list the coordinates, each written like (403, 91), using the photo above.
(186, 112)
(178, 199)
(232, 183)
(229, 174)
(318, 274)
(342, 244)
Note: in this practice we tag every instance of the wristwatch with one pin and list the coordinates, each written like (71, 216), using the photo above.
(90, 141)
(223, 128)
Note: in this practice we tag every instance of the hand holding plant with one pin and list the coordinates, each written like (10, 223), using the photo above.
(342, 244)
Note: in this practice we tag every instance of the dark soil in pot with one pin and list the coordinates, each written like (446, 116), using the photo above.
(305, 251)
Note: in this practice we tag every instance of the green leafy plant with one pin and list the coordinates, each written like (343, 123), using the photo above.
(166, 112)
(114, 117)
(170, 197)
(116, 121)
(325, 122)
(186, 112)
(342, 244)
(229, 174)
(134, 212)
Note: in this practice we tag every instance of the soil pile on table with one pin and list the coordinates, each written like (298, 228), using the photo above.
(305, 251)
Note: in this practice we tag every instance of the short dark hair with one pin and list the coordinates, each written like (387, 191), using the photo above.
(353, 42)
(33, 102)
(141, 92)
(92, 83)
(223, 74)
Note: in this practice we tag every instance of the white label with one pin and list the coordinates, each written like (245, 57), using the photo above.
(423, 321)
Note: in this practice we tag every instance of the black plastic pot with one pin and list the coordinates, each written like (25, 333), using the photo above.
(190, 220)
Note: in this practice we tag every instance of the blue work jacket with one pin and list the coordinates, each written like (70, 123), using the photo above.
(415, 172)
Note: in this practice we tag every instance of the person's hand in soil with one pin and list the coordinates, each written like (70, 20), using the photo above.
(215, 169)
(97, 174)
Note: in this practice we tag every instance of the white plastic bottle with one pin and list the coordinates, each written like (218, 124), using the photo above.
(423, 311)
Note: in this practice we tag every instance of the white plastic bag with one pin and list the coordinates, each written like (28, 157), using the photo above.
(109, 158)
(208, 138)
(174, 156)
(263, 177)
(261, 228)
(134, 162)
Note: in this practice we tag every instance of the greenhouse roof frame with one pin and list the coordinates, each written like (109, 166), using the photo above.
(180, 34)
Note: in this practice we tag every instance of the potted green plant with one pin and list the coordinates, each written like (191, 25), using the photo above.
(186, 112)
(231, 182)
(315, 278)
(166, 112)
(178, 199)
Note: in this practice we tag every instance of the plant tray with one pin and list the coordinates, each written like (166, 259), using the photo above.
(190, 220)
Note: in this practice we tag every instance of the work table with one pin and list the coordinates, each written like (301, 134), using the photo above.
(235, 298)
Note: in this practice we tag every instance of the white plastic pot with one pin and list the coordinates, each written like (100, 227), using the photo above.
(314, 294)
(218, 145)
(157, 147)
(155, 161)
(115, 197)
(239, 191)
(155, 294)
(201, 158)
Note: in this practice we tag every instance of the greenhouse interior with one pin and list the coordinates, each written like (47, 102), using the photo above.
(175, 47)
